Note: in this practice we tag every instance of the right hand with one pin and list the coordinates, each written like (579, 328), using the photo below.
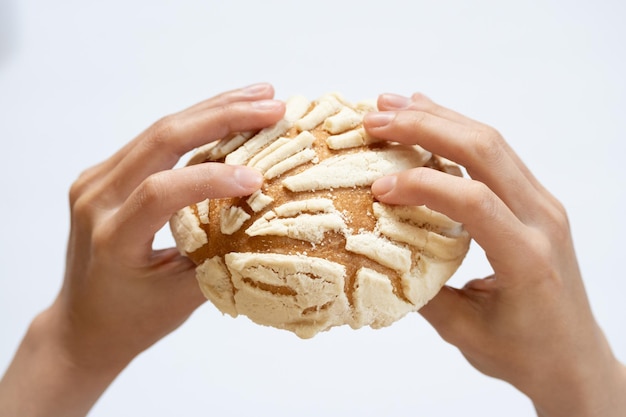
(120, 295)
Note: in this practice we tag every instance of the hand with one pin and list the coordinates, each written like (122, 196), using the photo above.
(119, 295)
(115, 283)
(530, 322)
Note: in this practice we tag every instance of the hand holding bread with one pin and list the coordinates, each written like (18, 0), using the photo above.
(312, 249)
(530, 322)
(119, 295)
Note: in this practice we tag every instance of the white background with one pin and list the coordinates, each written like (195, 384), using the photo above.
(78, 79)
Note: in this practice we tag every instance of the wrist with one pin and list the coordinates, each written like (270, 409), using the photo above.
(595, 386)
(53, 374)
(82, 347)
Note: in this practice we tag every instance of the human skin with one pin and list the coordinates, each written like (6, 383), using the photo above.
(530, 327)
(120, 296)
(530, 322)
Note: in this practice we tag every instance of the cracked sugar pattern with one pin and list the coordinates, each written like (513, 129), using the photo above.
(312, 249)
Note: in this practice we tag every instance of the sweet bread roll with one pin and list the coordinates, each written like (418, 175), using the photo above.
(312, 249)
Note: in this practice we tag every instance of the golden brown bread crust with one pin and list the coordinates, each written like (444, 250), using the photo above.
(313, 249)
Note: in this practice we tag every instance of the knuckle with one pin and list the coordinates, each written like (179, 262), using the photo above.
(86, 212)
(558, 223)
(543, 253)
(89, 195)
(82, 203)
(481, 200)
(76, 191)
(164, 133)
(539, 248)
(540, 251)
(152, 190)
(560, 214)
(229, 117)
(80, 186)
(412, 181)
(414, 176)
(421, 101)
(82, 206)
(487, 145)
(102, 239)
(417, 120)
(225, 116)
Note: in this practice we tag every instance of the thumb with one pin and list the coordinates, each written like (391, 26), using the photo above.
(453, 315)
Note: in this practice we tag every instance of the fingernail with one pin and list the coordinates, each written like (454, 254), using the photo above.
(255, 89)
(248, 178)
(378, 119)
(384, 185)
(267, 104)
(395, 101)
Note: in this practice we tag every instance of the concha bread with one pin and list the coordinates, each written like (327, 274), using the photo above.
(312, 249)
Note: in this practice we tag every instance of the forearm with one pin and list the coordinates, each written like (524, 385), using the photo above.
(606, 401)
(45, 380)
(599, 390)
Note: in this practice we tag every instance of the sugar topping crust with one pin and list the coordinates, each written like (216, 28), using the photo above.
(313, 249)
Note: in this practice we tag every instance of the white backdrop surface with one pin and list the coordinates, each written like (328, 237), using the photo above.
(78, 79)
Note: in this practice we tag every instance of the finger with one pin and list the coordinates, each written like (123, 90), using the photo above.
(420, 102)
(482, 152)
(452, 315)
(254, 92)
(488, 220)
(180, 272)
(164, 143)
(152, 204)
(259, 91)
